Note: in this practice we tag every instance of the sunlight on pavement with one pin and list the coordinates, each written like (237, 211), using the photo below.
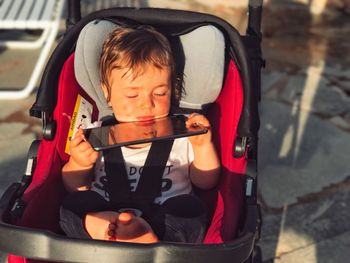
(289, 240)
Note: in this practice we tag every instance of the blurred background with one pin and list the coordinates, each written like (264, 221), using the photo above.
(304, 139)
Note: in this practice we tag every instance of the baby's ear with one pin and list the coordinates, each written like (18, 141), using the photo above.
(106, 94)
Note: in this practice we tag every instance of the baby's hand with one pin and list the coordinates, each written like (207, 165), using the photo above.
(196, 119)
(82, 153)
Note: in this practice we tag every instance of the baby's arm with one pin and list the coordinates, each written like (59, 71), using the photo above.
(205, 168)
(77, 172)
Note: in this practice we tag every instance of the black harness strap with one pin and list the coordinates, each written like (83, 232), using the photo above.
(150, 183)
(118, 185)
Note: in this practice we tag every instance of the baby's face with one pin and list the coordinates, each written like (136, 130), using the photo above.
(142, 98)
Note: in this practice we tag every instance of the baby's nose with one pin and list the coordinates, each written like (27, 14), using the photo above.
(147, 102)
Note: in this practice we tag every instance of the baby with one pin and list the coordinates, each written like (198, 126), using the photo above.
(138, 81)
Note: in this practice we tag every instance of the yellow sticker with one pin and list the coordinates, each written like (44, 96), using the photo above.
(81, 118)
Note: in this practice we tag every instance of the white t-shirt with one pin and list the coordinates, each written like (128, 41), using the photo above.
(175, 179)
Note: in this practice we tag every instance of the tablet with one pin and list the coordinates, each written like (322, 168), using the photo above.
(140, 132)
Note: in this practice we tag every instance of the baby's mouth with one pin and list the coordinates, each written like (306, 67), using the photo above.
(145, 118)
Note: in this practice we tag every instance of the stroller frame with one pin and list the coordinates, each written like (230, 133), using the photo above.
(45, 245)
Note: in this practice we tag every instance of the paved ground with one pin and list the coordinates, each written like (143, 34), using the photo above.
(304, 170)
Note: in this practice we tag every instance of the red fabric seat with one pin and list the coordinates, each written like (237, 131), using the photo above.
(44, 195)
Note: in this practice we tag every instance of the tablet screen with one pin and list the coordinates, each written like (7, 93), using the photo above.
(132, 133)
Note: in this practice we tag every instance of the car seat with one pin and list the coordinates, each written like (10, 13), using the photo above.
(218, 82)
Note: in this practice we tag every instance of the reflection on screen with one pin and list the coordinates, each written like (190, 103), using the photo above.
(131, 133)
(141, 130)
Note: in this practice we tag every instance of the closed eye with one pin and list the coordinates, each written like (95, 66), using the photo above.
(131, 92)
(161, 91)
(160, 94)
(131, 96)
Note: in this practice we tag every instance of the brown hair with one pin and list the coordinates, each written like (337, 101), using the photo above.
(131, 47)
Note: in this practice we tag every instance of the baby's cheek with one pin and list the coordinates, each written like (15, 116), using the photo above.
(163, 106)
(126, 110)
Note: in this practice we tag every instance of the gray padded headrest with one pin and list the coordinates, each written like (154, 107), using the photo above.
(204, 50)
(86, 61)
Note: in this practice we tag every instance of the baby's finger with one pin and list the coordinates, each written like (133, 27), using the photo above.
(76, 140)
(90, 152)
(79, 132)
(93, 156)
(194, 114)
(84, 147)
(197, 120)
